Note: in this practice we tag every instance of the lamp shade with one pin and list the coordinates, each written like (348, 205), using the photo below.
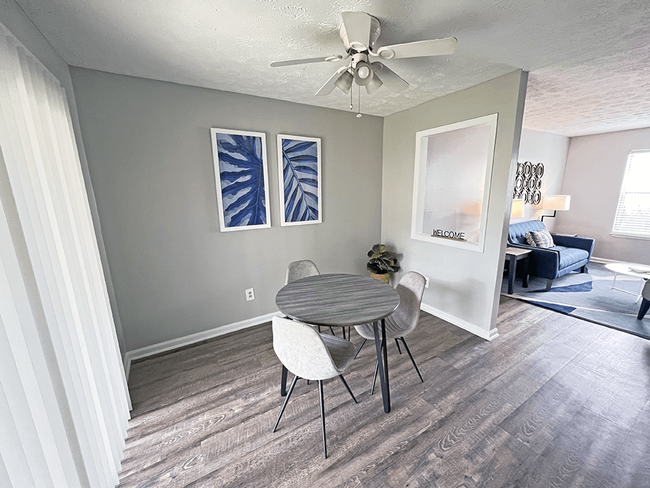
(556, 202)
(517, 209)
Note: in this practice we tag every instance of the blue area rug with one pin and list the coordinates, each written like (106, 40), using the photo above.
(589, 296)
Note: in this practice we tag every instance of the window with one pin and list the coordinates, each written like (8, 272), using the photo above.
(633, 211)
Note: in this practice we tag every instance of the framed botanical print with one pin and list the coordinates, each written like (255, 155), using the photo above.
(299, 172)
(241, 176)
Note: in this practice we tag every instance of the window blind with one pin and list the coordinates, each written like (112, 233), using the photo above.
(633, 211)
(64, 404)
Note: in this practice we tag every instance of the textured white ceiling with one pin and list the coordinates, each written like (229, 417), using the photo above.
(589, 59)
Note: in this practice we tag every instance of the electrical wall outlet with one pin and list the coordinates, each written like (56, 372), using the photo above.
(250, 294)
(426, 282)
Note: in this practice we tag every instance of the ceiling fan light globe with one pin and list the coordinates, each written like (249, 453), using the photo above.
(363, 71)
(374, 85)
(344, 83)
(363, 74)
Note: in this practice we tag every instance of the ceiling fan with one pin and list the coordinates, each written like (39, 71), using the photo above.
(359, 33)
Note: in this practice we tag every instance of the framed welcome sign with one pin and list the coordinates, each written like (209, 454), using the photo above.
(451, 188)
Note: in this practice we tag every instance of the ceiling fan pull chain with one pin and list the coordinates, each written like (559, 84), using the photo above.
(359, 104)
(351, 90)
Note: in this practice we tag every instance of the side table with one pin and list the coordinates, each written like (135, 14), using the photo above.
(514, 254)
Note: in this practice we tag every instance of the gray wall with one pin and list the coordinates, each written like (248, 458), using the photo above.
(149, 152)
(464, 285)
(550, 149)
(593, 178)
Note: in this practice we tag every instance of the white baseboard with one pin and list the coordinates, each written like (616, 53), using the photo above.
(602, 260)
(188, 340)
(463, 324)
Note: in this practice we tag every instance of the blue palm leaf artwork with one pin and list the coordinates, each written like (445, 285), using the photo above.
(301, 180)
(242, 179)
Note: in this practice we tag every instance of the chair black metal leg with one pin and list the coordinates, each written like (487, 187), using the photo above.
(286, 400)
(283, 382)
(412, 360)
(398, 348)
(374, 378)
(359, 350)
(322, 415)
(346, 385)
(332, 331)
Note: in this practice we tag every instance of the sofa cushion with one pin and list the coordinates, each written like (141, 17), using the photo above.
(570, 255)
(517, 231)
(540, 238)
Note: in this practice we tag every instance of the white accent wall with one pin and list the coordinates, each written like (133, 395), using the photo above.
(593, 178)
(550, 149)
(464, 285)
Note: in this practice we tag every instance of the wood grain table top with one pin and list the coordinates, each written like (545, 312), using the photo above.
(337, 299)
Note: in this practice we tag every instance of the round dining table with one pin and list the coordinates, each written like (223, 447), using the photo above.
(343, 300)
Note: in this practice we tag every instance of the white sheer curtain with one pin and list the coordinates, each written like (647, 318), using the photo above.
(64, 403)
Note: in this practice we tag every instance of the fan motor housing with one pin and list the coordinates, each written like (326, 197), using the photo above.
(358, 46)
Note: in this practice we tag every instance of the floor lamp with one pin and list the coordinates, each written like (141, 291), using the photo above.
(555, 203)
(517, 209)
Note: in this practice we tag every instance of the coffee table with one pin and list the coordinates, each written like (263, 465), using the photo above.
(630, 269)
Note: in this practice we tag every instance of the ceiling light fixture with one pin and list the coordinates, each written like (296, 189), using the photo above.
(374, 84)
(344, 83)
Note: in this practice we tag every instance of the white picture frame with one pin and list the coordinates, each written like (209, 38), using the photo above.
(241, 179)
(452, 181)
(300, 182)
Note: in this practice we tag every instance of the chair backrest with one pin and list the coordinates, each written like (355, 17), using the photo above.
(411, 290)
(301, 269)
(517, 231)
(302, 350)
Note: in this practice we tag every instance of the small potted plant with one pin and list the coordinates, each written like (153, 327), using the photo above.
(381, 263)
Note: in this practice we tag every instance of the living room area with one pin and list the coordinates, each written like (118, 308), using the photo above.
(587, 172)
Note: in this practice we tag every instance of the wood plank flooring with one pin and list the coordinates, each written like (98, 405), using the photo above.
(553, 402)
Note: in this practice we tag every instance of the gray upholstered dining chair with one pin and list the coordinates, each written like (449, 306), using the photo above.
(311, 356)
(296, 271)
(403, 320)
(301, 269)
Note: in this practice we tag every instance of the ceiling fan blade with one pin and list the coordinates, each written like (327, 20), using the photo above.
(291, 62)
(433, 47)
(392, 80)
(330, 84)
(357, 27)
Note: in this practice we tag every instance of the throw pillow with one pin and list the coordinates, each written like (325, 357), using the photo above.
(541, 239)
(530, 240)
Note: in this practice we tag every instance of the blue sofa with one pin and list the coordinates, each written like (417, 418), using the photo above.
(568, 254)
